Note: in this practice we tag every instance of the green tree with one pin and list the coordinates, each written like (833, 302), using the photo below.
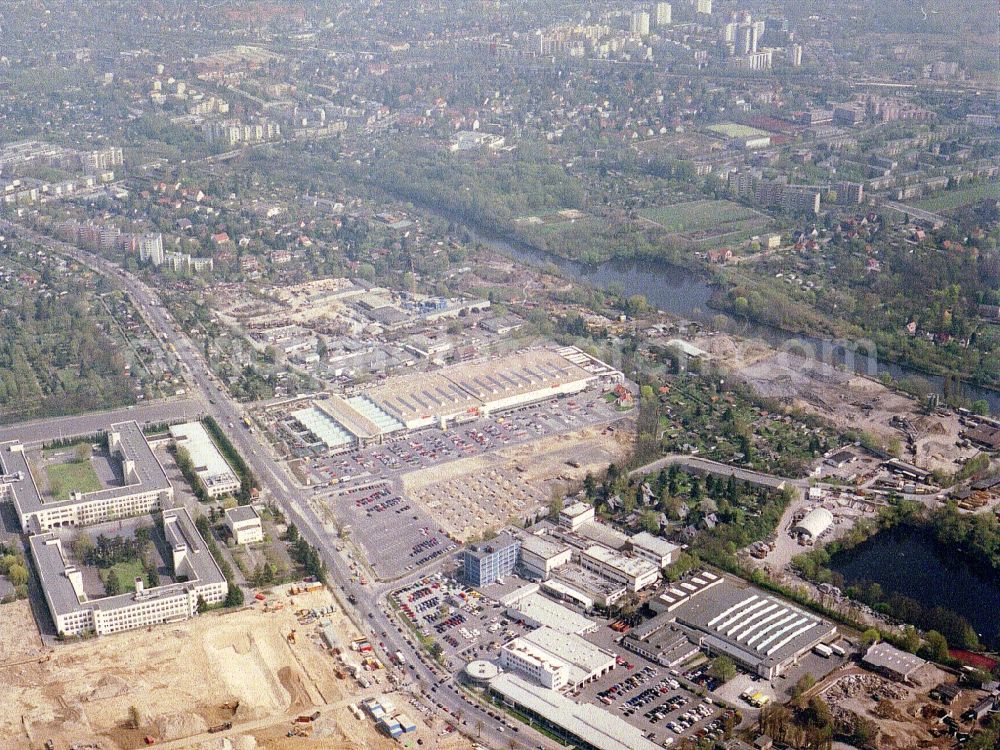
(112, 585)
(234, 597)
(937, 646)
(722, 668)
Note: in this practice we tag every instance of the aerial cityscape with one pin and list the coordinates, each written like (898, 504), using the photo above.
(499, 375)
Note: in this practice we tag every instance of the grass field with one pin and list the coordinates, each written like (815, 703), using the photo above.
(952, 199)
(699, 216)
(733, 130)
(70, 477)
(126, 572)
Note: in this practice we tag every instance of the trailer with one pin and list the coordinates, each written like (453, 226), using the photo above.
(823, 650)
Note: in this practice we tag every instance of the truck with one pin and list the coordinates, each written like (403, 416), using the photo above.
(220, 727)
(823, 650)
(838, 650)
(400, 659)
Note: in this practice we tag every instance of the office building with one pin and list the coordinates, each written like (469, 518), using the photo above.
(556, 660)
(664, 14)
(656, 549)
(196, 578)
(244, 524)
(573, 516)
(488, 562)
(704, 7)
(540, 555)
(144, 486)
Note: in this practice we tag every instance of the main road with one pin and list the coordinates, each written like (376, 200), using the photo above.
(366, 605)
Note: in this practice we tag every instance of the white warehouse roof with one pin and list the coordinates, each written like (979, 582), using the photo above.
(815, 523)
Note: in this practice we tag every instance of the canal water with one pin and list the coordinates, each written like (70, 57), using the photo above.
(683, 293)
(908, 560)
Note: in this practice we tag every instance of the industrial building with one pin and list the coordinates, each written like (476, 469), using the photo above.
(144, 487)
(244, 524)
(537, 611)
(214, 472)
(541, 555)
(759, 632)
(573, 516)
(587, 726)
(584, 588)
(556, 660)
(75, 613)
(656, 549)
(814, 524)
(635, 573)
(457, 393)
(488, 562)
(891, 661)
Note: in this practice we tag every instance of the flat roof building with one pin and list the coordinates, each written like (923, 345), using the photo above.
(575, 515)
(540, 555)
(244, 523)
(584, 587)
(587, 726)
(539, 611)
(556, 660)
(214, 472)
(144, 487)
(74, 613)
(487, 562)
(656, 549)
(635, 573)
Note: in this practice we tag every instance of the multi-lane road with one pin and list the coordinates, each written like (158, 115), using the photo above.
(365, 604)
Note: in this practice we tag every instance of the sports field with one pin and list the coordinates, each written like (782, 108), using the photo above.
(734, 130)
(699, 216)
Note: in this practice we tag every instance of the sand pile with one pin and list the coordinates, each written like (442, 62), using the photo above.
(175, 726)
(109, 686)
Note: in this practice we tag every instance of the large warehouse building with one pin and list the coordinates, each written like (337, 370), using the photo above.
(762, 634)
(452, 394)
(144, 487)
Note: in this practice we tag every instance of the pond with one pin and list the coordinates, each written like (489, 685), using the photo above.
(908, 560)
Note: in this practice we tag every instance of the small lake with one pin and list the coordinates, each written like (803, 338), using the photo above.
(909, 561)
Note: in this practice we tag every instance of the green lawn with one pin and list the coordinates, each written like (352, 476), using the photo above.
(127, 573)
(951, 199)
(70, 477)
(698, 216)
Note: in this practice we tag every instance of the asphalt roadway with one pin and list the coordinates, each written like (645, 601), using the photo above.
(151, 412)
(365, 604)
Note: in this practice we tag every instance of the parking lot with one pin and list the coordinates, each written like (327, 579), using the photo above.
(430, 447)
(652, 699)
(395, 534)
(466, 624)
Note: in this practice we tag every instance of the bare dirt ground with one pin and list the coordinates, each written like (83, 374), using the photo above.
(473, 494)
(848, 401)
(180, 677)
(904, 714)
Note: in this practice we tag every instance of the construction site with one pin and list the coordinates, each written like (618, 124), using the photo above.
(849, 401)
(261, 677)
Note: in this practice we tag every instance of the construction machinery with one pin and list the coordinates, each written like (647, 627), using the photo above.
(291, 636)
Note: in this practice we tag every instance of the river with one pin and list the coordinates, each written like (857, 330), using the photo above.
(685, 294)
(909, 561)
